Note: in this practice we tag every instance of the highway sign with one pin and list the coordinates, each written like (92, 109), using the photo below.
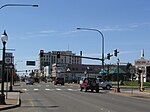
(30, 63)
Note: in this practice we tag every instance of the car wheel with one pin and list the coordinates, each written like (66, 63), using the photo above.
(81, 89)
(97, 90)
(108, 87)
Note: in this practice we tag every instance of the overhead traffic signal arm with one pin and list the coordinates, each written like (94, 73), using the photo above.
(59, 54)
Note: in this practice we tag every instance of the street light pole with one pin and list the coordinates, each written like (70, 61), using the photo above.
(18, 5)
(102, 41)
(4, 39)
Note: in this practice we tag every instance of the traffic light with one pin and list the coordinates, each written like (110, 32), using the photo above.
(116, 52)
(41, 53)
(58, 54)
(108, 56)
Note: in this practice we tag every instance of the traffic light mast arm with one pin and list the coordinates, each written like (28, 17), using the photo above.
(82, 57)
(90, 58)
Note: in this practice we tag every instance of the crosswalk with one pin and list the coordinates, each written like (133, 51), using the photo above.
(48, 89)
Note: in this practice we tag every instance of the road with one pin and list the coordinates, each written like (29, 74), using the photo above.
(45, 97)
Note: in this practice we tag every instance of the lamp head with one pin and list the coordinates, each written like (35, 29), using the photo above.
(4, 37)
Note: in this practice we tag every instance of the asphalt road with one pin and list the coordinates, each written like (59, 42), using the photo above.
(45, 97)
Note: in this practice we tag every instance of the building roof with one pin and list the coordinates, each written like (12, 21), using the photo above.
(114, 70)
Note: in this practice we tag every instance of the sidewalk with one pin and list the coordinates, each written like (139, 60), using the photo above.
(135, 93)
(12, 100)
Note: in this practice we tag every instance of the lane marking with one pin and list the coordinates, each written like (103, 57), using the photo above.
(58, 89)
(24, 89)
(35, 89)
(70, 89)
(47, 89)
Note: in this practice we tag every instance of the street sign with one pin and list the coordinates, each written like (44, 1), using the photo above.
(30, 63)
(132, 70)
(101, 72)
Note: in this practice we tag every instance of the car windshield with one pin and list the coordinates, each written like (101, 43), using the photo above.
(75, 55)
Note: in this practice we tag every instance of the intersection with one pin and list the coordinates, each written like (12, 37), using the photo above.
(45, 97)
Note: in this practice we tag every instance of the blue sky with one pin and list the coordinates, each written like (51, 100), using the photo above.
(125, 25)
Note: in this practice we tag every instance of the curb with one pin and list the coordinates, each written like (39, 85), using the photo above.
(135, 95)
(12, 106)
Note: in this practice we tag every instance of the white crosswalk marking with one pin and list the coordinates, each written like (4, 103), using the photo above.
(70, 89)
(36, 89)
(58, 89)
(50, 89)
(47, 89)
(24, 89)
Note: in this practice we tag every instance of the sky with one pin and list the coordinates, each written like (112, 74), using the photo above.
(125, 25)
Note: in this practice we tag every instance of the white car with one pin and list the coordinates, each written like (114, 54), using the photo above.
(104, 84)
(29, 82)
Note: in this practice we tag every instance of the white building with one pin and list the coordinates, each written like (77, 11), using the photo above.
(49, 58)
(143, 65)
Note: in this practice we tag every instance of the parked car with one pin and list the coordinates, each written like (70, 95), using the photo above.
(59, 80)
(89, 84)
(29, 81)
(104, 84)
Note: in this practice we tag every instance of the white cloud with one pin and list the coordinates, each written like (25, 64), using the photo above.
(47, 31)
(124, 27)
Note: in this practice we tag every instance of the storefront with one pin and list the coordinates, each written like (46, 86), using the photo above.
(143, 65)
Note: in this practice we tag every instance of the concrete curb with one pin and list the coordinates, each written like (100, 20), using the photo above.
(137, 95)
(10, 106)
(13, 106)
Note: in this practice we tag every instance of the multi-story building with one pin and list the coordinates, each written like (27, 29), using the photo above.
(49, 58)
(66, 57)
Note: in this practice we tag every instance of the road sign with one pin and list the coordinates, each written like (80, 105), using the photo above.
(30, 63)
(132, 70)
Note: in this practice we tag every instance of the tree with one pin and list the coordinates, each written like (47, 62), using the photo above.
(129, 65)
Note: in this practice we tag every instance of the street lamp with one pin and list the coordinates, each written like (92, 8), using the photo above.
(102, 42)
(18, 5)
(4, 39)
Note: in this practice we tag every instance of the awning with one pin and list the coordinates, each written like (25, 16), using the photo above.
(114, 70)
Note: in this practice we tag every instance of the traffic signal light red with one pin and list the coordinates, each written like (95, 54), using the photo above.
(41, 53)
(58, 54)
(116, 52)
(108, 56)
